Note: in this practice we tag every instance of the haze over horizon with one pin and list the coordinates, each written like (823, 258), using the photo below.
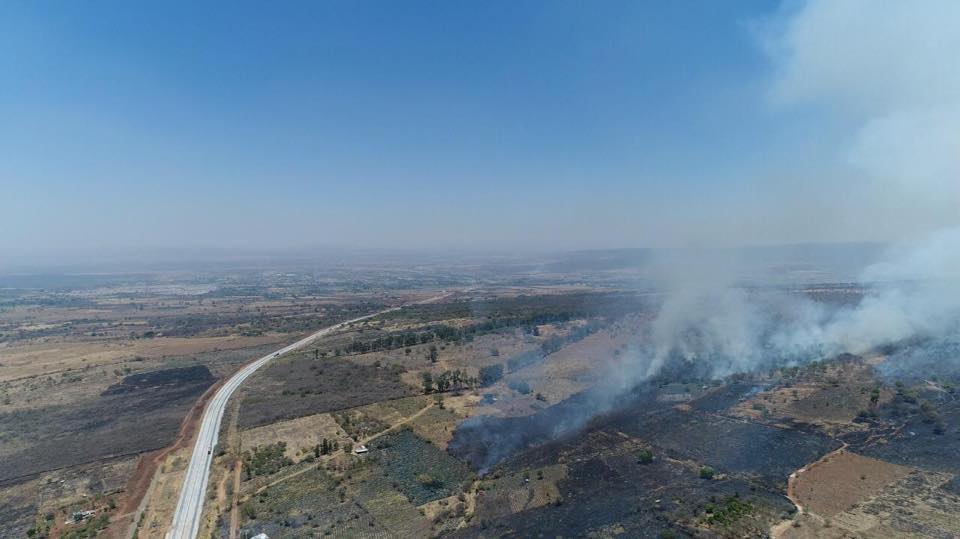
(480, 126)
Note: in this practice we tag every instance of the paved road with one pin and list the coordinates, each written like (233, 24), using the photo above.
(186, 518)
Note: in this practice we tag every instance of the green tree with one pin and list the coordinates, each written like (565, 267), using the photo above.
(427, 379)
(490, 374)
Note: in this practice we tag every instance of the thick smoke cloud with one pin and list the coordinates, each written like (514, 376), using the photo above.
(888, 70)
(913, 294)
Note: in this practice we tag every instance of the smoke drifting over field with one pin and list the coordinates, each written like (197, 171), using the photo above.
(707, 327)
(883, 67)
(915, 294)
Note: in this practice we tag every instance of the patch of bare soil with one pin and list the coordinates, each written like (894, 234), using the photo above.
(53, 357)
(916, 505)
(301, 434)
(843, 479)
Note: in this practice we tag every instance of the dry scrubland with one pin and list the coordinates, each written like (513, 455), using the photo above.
(468, 409)
(96, 376)
(651, 465)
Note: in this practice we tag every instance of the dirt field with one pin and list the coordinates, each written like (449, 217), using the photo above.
(300, 434)
(53, 357)
(842, 480)
(915, 506)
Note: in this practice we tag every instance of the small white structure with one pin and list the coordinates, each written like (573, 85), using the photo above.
(361, 449)
(260, 536)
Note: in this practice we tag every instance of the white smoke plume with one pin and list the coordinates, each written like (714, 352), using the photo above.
(889, 69)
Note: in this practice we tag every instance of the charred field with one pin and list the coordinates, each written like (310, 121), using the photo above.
(141, 413)
(684, 452)
(689, 432)
(608, 485)
(647, 467)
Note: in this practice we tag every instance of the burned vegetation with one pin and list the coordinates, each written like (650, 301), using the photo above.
(141, 413)
(304, 385)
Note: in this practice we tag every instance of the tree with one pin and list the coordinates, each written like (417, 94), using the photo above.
(490, 374)
(434, 356)
(645, 456)
(706, 472)
(443, 381)
(427, 382)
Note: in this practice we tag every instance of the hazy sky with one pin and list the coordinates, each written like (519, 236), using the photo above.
(504, 123)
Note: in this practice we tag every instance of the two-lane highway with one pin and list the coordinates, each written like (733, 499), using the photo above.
(186, 518)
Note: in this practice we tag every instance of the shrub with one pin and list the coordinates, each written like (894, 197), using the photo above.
(520, 386)
(428, 481)
(490, 374)
(706, 472)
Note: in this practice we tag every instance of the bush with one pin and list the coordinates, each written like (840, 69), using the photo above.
(428, 481)
(520, 386)
(645, 456)
(266, 460)
(490, 374)
(729, 512)
(706, 472)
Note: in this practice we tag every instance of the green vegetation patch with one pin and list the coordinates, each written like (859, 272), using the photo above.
(418, 469)
(358, 424)
(309, 505)
(727, 512)
(390, 508)
(265, 460)
(90, 527)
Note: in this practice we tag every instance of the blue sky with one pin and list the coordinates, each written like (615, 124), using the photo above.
(391, 124)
